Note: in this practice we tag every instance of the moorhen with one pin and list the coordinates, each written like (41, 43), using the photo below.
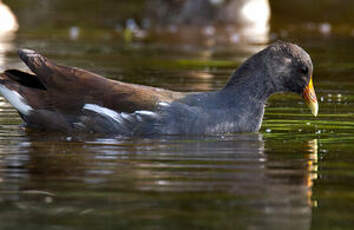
(71, 100)
(8, 22)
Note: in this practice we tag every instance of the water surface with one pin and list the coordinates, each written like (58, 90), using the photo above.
(296, 173)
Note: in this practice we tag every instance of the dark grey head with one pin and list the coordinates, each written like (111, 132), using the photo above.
(281, 67)
(288, 66)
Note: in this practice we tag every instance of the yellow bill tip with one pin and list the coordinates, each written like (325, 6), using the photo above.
(310, 98)
(314, 108)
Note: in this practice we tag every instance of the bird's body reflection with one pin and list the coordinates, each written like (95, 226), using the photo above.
(231, 175)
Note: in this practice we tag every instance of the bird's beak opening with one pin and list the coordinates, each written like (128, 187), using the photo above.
(309, 96)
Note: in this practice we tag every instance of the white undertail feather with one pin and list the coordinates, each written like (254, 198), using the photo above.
(15, 99)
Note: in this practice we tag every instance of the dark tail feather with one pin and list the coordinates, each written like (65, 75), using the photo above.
(32, 59)
(25, 79)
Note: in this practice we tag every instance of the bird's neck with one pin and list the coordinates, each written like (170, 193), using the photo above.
(250, 81)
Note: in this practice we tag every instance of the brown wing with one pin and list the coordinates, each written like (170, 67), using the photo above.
(57, 87)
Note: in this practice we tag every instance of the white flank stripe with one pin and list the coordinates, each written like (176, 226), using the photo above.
(103, 111)
(119, 117)
(164, 104)
(16, 100)
(146, 113)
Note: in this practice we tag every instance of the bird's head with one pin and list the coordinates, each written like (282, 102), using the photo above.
(290, 69)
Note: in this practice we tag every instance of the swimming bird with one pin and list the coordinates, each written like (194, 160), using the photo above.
(8, 22)
(241, 20)
(67, 99)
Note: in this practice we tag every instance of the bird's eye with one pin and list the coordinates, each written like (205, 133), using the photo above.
(304, 70)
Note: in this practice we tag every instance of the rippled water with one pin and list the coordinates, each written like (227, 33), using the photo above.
(297, 173)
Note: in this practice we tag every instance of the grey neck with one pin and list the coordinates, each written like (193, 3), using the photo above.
(249, 82)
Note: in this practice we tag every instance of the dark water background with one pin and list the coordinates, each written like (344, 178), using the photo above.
(296, 173)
